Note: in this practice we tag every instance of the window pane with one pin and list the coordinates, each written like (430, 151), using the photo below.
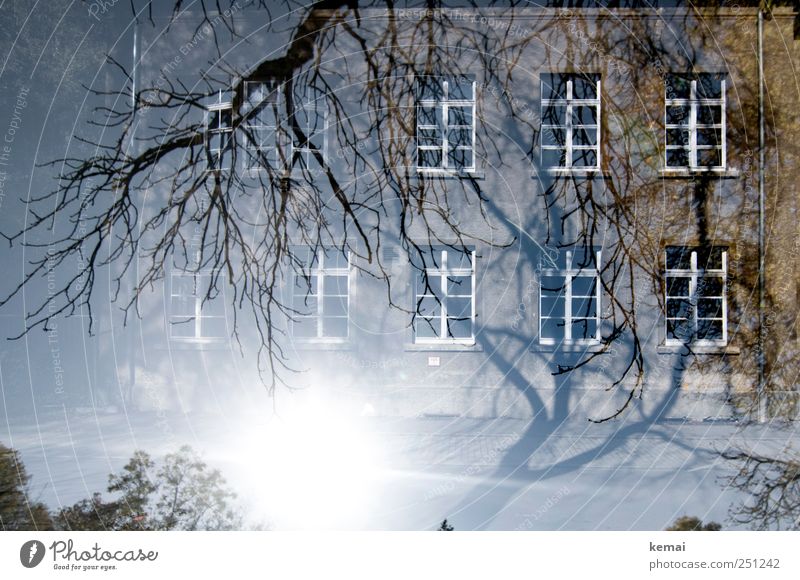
(709, 114)
(709, 136)
(430, 88)
(553, 329)
(335, 306)
(552, 284)
(584, 285)
(426, 328)
(584, 329)
(679, 330)
(429, 116)
(552, 306)
(459, 116)
(584, 307)
(584, 136)
(460, 158)
(429, 306)
(709, 286)
(430, 284)
(305, 304)
(459, 328)
(679, 308)
(584, 158)
(677, 158)
(709, 158)
(429, 157)
(334, 327)
(459, 307)
(554, 86)
(583, 88)
(336, 259)
(584, 115)
(678, 287)
(678, 258)
(459, 285)
(714, 259)
(305, 285)
(459, 137)
(336, 285)
(429, 138)
(554, 115)
(183, 306)
(709, 308)
(554, 136)
(678, 137)
(584, 257)
(678, 114)
(709, 329)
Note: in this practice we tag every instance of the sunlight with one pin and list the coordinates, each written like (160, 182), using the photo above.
(316, 468)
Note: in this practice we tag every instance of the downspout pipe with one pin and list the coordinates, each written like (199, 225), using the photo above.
(761, 387)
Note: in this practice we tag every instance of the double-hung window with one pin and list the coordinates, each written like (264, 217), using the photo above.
(445, 123)
(321, 294)
(219, 135)
(695, 121)
(695, 296)
(445, 297)
(260, 110)
(570, 136)
(570, 297)
(195, 314)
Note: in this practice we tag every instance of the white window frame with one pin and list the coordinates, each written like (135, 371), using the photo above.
(319, 271)
(694, 273)
(443, 271)
(694, 103)
(445, 103)
(251, 123)
(199, 297)
(569, 274)
(570, 102)
(216, 110)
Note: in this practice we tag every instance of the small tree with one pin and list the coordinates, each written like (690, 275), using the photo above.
(183, 494)
(693, 524)
(17, 510)
(445, 527)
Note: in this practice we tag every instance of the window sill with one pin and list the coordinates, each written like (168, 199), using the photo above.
(442, 347)
(448, 174)
(692, 173)
(697, 349)
(589, 347)
(564, 173)
(321, 344)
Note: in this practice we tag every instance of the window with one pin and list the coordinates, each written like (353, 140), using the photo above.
(219, 135)
(695, 121)
(695, 300)
(569, 297)
(570, 121)
(193, 317)
(274, 141)
(321, 294)
(446, 123)
(445, 297)
(309, 136)
(260, 112)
